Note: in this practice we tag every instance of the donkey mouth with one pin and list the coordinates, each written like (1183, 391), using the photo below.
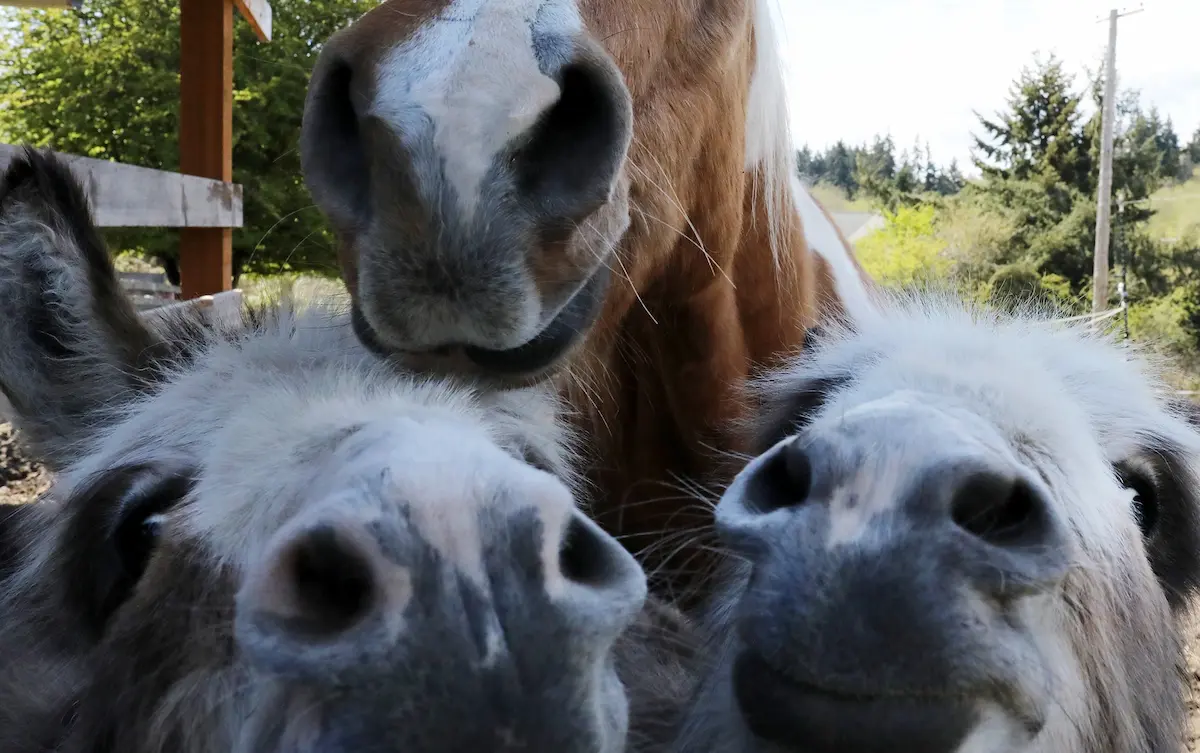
(525, 363)
(792, 715)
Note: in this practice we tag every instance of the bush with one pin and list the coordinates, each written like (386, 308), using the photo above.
(906, 250)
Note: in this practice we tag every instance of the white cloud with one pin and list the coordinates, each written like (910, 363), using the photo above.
(917, 68)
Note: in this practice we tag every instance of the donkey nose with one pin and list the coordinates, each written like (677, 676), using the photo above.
(994, 521)
(320, 589)
(329, 597)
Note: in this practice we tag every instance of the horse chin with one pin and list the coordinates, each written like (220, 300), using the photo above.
(789, 716)
(538, 359)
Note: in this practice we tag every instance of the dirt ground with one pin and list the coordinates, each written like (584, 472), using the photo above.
(22, 480)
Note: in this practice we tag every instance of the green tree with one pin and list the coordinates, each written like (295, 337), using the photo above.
(841, 168)
(1170, 162)
(103, 81)
(930, 171)
(1039, 134)
(951, 180)
(1193, 147)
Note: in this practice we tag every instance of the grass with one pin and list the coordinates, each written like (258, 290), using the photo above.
(1177, 209)
(835, 200)
(255, 288)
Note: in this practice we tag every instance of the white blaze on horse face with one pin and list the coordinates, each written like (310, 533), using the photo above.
(472, 74)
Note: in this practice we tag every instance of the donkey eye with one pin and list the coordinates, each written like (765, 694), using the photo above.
(1145, 498)
(143, 517)
(117, 521)
(153, 524)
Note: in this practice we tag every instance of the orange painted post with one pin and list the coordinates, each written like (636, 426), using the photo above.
(206, 135)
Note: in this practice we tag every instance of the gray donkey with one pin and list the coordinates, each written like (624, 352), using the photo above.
(965, 532)
(261, 538)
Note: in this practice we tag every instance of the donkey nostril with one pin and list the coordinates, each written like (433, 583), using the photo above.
(330, 584)
(998, 509)
(589, 556)
(784, 480)
(333, 157)
(584, 556)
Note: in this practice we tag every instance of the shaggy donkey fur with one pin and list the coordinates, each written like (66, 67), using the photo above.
(261, 538)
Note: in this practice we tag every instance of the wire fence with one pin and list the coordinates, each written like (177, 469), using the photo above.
(1095, 317)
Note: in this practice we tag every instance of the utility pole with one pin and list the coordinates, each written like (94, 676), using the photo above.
(1108, 117)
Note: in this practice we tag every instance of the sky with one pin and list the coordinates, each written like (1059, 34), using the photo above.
(918, 68)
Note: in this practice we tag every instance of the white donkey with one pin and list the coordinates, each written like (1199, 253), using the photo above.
(965, 532)
(261, 539)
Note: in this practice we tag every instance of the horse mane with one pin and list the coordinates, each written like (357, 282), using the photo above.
(769, 153)
(771, 158)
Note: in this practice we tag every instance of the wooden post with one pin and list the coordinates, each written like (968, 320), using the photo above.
(206, 135)
(1104, 192)
(1108, 117)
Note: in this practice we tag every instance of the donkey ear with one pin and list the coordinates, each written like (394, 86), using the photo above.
(1162, 474)
(71, 344)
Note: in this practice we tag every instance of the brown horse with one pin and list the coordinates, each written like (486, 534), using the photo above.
(600, 189)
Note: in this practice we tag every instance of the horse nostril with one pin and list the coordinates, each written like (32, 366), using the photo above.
(571, 157)
(999, 509)
(784, 480)
(333, 158)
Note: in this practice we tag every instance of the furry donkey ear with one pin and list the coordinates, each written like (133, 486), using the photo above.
(71, 344)
(1164, 475)
(790, 396)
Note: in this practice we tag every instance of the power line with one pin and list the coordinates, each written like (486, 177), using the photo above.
(1104, 191)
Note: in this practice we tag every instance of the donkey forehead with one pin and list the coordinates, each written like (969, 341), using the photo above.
(1058, 387)
(463, 78)
(435, 470)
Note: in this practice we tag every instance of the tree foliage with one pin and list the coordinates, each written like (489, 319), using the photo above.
(1040, 158)
(1027, 228)
(1040, 134)
(909, 250)
(878, 173)
(103, 81)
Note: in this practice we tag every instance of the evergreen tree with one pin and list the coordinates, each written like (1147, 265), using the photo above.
(1194, 147)
(908, 176)
(875, 169)
(1039, 134)
(841, 168)
(951, 180)
(1170, 164)
(930, 171)
(804, 159)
